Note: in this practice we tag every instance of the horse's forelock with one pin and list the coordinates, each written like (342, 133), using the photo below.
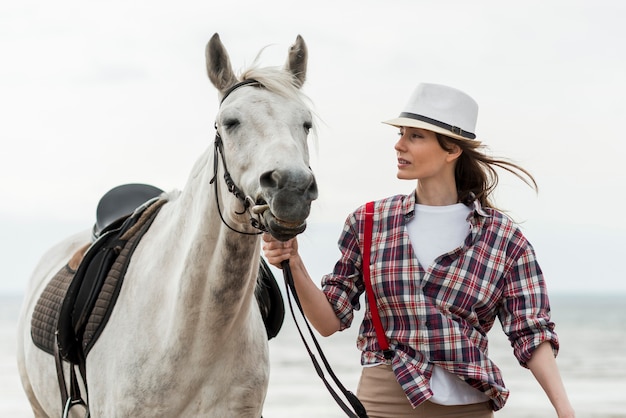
(282, 82)
(276, 80)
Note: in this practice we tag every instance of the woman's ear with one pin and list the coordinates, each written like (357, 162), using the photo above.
(454, 152)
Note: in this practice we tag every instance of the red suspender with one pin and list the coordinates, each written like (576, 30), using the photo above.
(367, 244)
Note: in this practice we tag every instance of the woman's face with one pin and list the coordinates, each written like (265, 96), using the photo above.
(420, 157)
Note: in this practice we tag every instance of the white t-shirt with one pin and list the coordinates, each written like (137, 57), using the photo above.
(434, 231)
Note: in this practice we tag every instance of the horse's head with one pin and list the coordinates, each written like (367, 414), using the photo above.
(262, 129)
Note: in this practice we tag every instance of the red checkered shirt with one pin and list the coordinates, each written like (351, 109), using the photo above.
(442, 315)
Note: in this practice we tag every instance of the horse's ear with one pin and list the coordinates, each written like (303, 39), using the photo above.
(296, 63)
(218, 64)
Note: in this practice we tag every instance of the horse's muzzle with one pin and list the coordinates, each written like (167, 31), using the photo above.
(288, 193)
(282, 230)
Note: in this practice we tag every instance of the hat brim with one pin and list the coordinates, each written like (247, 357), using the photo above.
(414, 123)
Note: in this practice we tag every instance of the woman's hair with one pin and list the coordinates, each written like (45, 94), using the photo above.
(475, 172)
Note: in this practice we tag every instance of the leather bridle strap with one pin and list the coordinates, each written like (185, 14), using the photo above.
(359, 409)
(232, 187)
(237, 85)
(230, 184)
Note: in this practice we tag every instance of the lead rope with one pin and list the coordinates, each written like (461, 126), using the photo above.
(359, 409)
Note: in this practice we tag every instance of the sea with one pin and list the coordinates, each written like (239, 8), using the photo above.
(592, 362)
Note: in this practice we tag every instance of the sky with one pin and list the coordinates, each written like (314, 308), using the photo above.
(97, 94)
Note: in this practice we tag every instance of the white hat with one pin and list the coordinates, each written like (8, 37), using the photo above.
(441, 109)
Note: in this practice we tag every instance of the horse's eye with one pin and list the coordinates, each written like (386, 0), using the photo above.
(307, 127)
(231, 123)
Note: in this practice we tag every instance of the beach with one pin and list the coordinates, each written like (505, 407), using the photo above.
(592, 362)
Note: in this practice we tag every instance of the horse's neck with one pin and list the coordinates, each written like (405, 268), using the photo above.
(218, 267)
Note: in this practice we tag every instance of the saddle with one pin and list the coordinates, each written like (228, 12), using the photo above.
(75, 306)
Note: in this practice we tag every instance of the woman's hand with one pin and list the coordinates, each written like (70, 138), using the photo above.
(276, 251)
(314, 303)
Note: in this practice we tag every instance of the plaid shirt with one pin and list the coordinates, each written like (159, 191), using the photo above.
(442, 315)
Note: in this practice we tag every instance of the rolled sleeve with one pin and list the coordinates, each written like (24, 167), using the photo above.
(525, 312)
(344, 285)
(341, 296)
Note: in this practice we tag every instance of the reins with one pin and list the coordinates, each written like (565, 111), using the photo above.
(247, 202)
(359, 409)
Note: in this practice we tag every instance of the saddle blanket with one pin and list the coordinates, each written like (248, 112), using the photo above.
(45, 319)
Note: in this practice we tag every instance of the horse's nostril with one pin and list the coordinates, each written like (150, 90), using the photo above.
(269, 179)
(312, 190)
(277, 179)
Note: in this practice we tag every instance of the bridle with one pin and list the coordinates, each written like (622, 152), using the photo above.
(356, 409)
(248, 203)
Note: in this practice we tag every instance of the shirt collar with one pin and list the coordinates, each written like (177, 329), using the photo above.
(408, 207)
(478, 209)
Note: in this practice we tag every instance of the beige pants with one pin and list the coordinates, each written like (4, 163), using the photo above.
(383, 397)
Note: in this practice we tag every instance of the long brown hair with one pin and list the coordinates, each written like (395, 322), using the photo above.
(476, 174)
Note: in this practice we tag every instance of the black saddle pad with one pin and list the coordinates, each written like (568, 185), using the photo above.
(76, 304)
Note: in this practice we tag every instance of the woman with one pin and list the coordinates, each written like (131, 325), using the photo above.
(444, 265)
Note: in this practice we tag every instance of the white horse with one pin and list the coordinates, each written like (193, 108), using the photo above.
(186, 337)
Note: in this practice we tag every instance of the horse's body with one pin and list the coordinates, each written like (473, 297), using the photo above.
(186, 337)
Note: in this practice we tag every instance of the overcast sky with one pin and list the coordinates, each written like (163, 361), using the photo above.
(96, 94)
